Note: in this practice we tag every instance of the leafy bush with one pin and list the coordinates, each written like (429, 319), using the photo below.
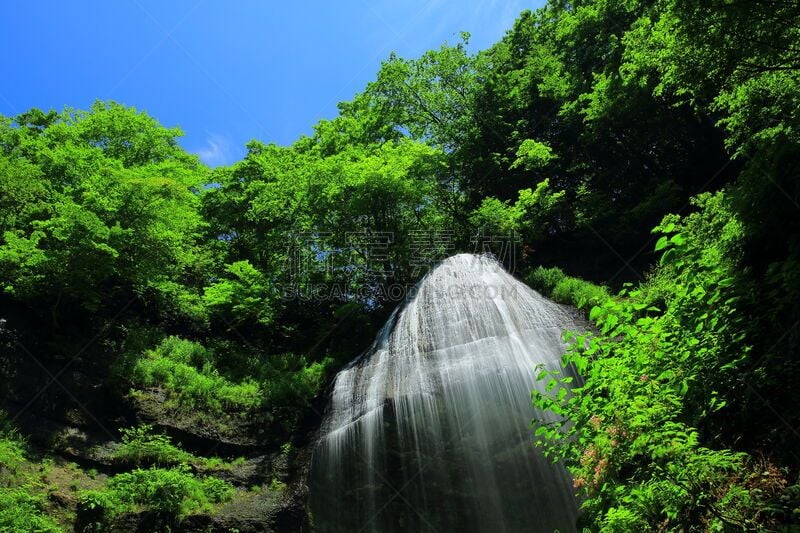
(184, 369)
(217, 490)
(580, 293)
(653, 374)
(174, 492)
(12, 455)
(184, 351)
(276, 485)
(12, 451)
(95, 510)
(531, 215)
(247, 295)
(544, 279)
(140, 446)
(283, 385)
(292, 383)
(553, 283)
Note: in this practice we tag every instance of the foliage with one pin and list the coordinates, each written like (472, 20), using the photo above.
(566, 289)
(141, 446)
(533, 154)
(276, 485)
(175, 492)
(105, 203)
(21, 510)
(185, 371)
(628, 433)
(245, 296)
(545, 279)
(293, 384)
(21, 498)
(530, 215)
(12, 450)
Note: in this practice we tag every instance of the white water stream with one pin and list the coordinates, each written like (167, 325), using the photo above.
(429, 429)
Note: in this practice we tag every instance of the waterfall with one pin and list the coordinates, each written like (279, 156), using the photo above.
(429, 430)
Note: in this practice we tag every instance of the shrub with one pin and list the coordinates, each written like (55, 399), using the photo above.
(95, 509)
(292, 383)
(184, 351)
(12, 452)
(185, 370)
(553, 283)
(544, 279)
(579, 293)
(174, 492)
(652, 375)
(21, 500)
(11, 455)
(217, 490)
(140, 446)
(276, 485)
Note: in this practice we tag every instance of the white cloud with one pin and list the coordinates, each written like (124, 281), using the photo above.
(217, 151)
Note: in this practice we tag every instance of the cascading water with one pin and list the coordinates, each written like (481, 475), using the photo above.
(429, 429)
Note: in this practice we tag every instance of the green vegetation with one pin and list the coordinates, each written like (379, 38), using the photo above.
(142, 446)
(22, 495)
(173, 492)
(229, 297)
(185, 370)
(679, 423)
(21, 510)
(552, 282)
(634, 445)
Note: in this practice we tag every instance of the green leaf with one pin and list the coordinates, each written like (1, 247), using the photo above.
(668, 257)
(678, 239)
(609, 323)
(562, 393)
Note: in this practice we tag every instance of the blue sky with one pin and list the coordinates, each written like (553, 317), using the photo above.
(225, 71)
